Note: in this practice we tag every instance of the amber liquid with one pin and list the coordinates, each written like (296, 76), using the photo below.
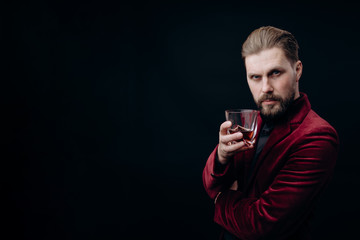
(248, 134)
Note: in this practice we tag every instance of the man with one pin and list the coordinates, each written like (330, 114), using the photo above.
(268, 190)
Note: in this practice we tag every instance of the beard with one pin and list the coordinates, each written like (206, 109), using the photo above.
(274, 111)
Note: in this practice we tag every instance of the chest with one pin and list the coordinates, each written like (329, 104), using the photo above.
(259, 174)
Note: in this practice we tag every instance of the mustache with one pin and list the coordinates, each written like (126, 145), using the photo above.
(269, 97)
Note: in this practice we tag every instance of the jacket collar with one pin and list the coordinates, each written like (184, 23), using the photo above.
(298, 110)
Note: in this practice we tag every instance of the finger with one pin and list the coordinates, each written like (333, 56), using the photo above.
(247, 147)
(224, 127)
(234, 186)
(231, 137)
(237, 147)
(234, 147)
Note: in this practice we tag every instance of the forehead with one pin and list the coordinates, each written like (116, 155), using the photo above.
(266, 60)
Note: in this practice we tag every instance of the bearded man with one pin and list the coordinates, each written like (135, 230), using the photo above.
(268, 190)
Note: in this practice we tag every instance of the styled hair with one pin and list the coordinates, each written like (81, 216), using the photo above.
(268, 37)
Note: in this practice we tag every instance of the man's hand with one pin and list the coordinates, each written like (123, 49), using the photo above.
(229, 144)
(233, 187)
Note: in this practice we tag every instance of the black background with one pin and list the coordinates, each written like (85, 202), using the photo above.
(112, 109)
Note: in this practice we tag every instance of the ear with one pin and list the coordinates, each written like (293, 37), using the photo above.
(298, 69)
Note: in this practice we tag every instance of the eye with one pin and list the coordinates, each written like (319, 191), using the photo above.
(275, 73)
(255, 77)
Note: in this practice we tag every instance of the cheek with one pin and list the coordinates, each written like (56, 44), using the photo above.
(255, 88)
(255, 91)
(285, 85)
(251, 87)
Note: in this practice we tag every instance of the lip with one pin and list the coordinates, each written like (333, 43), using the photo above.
(269, 101)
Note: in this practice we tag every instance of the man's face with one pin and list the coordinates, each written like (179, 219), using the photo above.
(273, 81)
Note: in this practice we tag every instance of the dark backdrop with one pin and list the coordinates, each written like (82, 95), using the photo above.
(113, 108)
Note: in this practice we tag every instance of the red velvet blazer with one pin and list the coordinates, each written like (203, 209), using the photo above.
(292, 170)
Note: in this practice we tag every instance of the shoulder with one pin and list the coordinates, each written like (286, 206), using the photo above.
(315, 127)
(314, 122)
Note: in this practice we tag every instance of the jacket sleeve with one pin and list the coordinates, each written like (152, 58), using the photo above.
(289, 198)
(215, 179)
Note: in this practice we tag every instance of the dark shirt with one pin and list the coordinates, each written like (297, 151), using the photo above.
(263, 137)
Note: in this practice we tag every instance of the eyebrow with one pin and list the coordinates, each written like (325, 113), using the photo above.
(278, 68)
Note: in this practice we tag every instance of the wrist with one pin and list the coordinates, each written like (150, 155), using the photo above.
(221, 160)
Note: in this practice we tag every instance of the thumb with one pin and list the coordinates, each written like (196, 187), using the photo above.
(224, 127)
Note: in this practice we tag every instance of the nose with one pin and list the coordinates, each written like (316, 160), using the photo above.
(266, 86)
